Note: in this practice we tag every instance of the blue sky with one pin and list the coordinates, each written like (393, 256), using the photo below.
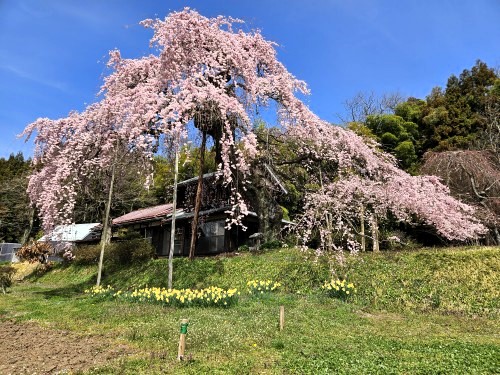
(53, 52)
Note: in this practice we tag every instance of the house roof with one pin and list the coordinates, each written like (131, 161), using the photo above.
(164, 213)
(74, 233)
(186, 182)
(145, 214)
(181, 214)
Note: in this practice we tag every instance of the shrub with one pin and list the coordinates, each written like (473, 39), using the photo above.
(6, 274)
(68, 256)
(129, 252)
(35, 252)
(126, 234)
(143, 251)
(116, 253)
(87, 254)
(243, 249)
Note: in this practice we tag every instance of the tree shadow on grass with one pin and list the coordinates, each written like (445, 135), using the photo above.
(67, 291)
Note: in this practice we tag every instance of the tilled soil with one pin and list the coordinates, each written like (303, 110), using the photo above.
(26, 348)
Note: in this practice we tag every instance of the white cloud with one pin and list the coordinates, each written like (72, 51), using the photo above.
(62, 86)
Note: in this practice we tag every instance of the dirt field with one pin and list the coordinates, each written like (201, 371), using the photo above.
(29, 349)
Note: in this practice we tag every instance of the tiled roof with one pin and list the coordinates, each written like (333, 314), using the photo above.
(144, 214)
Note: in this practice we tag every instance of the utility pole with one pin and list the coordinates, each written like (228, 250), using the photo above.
(174, 209)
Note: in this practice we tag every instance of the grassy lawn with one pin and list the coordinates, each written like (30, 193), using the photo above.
(395, 325)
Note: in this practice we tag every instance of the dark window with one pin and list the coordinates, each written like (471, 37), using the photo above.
(211, 237)
(178, 241)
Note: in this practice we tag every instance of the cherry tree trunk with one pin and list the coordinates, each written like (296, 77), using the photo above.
(198, 199)
(375, 234)
(497, 235)
(263, 202)
(28, 230)
(330, 231)
(362, 224)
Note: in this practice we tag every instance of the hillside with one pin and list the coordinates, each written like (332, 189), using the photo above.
(455, 280)
(429, 311)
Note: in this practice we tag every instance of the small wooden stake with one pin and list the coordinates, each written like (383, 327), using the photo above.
(182, 339)
(282, 317)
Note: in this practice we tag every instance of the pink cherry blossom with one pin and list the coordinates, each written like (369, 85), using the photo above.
(213, 67)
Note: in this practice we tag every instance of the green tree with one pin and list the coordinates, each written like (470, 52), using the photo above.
(16, 214)
(189, 164)
(397, 136)
(455, 116)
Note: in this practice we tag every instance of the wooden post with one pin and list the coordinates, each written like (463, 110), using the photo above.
(182, 339)
(282, 317)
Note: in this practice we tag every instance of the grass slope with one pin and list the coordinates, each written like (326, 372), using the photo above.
(425, 312)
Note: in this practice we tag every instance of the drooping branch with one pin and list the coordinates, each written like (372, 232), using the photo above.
(211, 68)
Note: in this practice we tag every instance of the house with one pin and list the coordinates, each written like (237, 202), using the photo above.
(62, 235)
(155, 222)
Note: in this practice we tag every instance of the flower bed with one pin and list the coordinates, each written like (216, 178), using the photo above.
(339, 289)
(262, 286)
(212, 296)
